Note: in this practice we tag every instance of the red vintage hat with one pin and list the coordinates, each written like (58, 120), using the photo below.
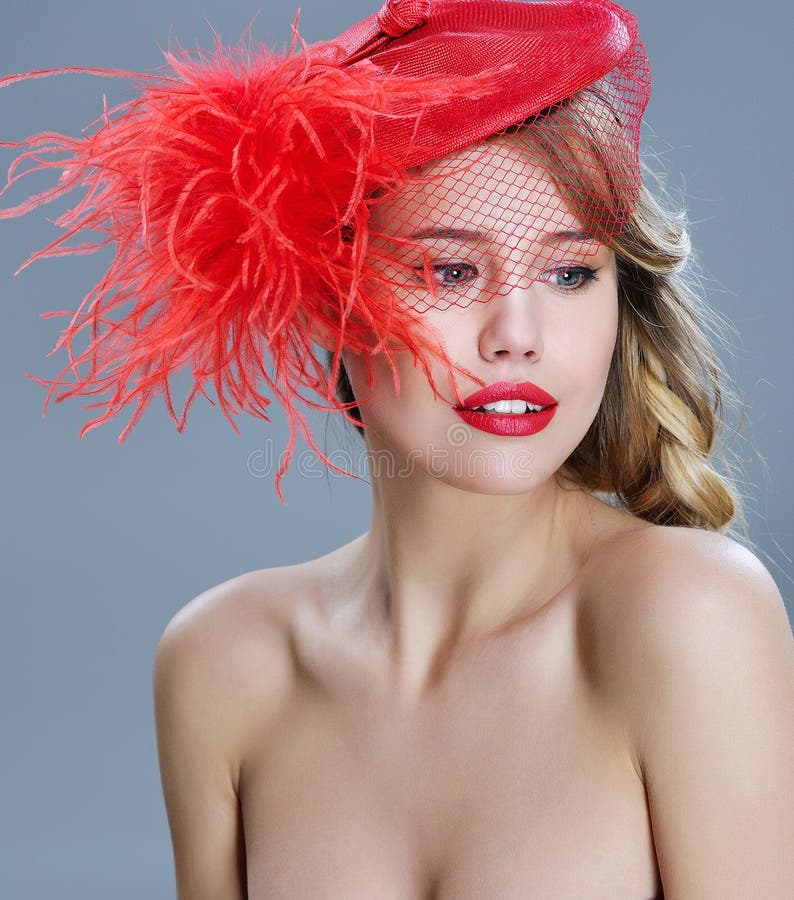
(540, 53)
(242, 189)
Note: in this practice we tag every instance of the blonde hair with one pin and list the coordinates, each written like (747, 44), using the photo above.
(663, 413)
(652, 446)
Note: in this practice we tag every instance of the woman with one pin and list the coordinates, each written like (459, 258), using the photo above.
(507, 687)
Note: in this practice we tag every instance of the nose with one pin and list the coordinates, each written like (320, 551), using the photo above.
(510, 327)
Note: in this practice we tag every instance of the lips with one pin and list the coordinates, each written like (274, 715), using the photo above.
(506, 390)
(509, 424)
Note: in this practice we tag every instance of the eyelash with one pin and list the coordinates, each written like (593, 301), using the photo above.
(586, 272)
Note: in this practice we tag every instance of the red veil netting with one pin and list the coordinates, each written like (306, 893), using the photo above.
(247, 194)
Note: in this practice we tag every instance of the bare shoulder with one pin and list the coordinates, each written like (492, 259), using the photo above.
(228, 651)
(254, 605)
(659, 586)
(688, 642)
(223, 669)
(664, 604)
(654, 558)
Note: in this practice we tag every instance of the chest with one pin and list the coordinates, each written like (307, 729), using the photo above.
(510, 783)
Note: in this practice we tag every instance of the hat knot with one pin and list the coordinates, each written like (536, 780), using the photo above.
(397, 17)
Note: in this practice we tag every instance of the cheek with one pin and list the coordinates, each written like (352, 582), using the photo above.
(415, 390)
(380, 405)
(605, 330)
(588, 351)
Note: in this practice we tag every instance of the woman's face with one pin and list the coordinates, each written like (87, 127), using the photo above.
(521, 298)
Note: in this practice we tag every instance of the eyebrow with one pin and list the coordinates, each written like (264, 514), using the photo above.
(571, 235)
(470, 235)
(455, 234)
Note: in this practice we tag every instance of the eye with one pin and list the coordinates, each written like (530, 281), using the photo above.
(573, 278)
(452, 274)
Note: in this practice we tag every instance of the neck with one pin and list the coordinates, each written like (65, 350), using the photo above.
(440, 566)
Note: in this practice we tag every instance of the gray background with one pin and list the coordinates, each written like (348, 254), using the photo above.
(102, 543)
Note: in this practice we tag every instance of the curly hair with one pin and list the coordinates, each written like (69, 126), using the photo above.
(652, 445)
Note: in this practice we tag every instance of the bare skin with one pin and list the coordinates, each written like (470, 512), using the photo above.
(507, 773)
(504, 775)
(540, 759)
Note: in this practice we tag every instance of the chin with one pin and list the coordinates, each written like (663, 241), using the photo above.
(513, 488)
(496, 480)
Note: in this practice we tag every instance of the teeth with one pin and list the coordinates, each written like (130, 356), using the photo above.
(510, 406)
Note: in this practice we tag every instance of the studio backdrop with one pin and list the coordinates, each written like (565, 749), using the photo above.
(102, 542)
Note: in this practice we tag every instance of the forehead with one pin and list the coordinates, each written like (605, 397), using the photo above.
(497, 186)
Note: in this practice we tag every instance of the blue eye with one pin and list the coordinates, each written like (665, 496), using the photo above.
(575, 278)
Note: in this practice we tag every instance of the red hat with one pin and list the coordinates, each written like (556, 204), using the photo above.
(541, 53)
(238, 188)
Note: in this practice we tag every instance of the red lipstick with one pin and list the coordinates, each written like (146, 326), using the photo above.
(511, 424)
(507, 390)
